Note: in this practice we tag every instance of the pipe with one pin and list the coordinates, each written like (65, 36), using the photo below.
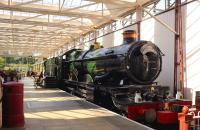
(139, 30)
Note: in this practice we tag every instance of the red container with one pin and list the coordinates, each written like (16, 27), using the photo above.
(167, 117)
(137, 111)
(13, 109)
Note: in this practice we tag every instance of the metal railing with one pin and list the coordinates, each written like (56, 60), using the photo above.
(193, 119)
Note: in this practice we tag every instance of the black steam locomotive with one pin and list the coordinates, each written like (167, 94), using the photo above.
(111, 75)
(135, 63)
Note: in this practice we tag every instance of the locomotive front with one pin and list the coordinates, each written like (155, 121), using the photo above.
(144, 62)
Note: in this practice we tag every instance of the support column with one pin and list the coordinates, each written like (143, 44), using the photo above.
(138, 20)
(178, 51)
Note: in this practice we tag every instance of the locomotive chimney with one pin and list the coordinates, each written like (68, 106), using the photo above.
(129, 36)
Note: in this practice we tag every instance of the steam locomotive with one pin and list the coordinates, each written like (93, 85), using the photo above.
(120, 78)
(115, 75)
(135, 63)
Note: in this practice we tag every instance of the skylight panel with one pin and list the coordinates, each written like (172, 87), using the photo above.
(92, 7)
(1, 11)
(7, 12)
(39, 2)
(43, 16)
(76, 3)
(72, 3)
(19, 1)
(47, 2)
(61, 17)
(86, 2)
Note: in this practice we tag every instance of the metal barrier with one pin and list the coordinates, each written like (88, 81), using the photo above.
(189, 120)
(193, 120)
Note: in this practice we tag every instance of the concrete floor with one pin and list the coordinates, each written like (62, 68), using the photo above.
(53, 109)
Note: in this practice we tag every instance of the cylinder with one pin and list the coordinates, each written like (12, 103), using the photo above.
(13, 112)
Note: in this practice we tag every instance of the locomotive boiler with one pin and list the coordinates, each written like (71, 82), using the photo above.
(138, 62)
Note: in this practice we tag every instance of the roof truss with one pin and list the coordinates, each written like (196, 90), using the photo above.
(44, 25)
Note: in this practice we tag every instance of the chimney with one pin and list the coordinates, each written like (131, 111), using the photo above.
(129, 36)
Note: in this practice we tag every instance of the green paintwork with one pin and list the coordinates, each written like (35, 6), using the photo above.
(50, 67)
(73, 56)
(91, 66)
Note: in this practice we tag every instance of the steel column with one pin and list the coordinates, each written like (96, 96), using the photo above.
(178, 50)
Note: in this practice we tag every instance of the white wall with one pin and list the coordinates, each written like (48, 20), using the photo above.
(108, 40)
(147, 30)
(152, 30)
(165, 40)
(118, 38)
(192, 26)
